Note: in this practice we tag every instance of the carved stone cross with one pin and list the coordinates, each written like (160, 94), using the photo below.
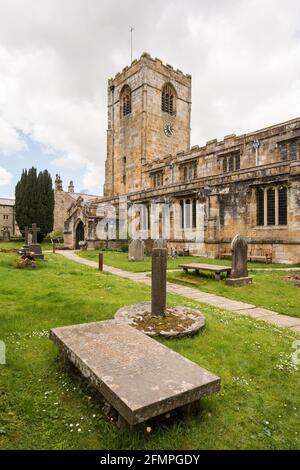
(34, 231)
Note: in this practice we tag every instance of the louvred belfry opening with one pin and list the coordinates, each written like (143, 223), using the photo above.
(125, 101)
(168, 99)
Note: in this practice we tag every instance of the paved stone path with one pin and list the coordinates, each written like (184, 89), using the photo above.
(240, 308)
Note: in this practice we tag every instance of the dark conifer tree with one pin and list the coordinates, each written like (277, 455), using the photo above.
(35, 201)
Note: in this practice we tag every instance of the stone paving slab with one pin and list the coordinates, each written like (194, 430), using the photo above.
(256, 312)
(240, 308)
(232, 305)
(296, 329)
(138, 376)
(282, 320)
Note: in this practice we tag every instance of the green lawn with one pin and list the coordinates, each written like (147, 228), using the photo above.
(41, 407)
(16, 245)
(270, 289)
(119, 259)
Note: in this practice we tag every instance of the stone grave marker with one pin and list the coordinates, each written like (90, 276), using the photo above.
(6, 235)
(239, 271)
(159, 281)
(155, 318)
(34, 246)
(136, 250)
(26, 233)
(139, 377)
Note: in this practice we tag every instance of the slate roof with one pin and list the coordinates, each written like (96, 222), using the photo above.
(7, 202)
(85, 197)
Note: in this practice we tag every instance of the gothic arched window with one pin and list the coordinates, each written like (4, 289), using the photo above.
(168, 99)
(271, 209)
(282, 206)
(260, 206)
(125, 101)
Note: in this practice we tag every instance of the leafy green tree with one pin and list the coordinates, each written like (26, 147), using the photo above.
(35, 201)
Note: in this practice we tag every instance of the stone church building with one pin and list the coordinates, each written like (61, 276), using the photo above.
(65, 200)
(247, 184)
(8, 224)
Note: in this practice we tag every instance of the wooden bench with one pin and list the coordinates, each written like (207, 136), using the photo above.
(255, 255)
(139, 377)
(260, 255)
(217, 270)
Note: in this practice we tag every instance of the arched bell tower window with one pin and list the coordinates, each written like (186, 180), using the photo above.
(125, 101)
(168, 99)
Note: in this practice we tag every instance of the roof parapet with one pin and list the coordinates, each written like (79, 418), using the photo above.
(156, 60)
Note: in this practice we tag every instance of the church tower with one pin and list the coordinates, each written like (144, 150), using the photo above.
(149, 114)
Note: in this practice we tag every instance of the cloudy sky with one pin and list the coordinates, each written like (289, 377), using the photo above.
(56, 56)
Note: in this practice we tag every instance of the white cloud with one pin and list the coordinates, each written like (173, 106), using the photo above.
(55, 58)
(10, 141)
(5, 177)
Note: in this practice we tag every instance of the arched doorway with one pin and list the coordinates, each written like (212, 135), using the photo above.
(79, 234)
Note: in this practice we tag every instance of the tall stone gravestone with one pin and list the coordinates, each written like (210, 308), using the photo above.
(26, 243)
(136, 250)
(239, 271)
(35, 247)
(159, 281)
(6, 235)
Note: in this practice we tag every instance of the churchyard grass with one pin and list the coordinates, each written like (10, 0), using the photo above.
(42, 407)
(16, 245)
(270, 289)
(118, 259)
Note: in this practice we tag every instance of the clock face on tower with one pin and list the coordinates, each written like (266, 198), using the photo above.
(168, 129)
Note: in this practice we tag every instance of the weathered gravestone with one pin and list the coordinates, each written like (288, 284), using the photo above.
(34, 246)
(159, 281)
(26, 234)
(27, 242)
(136, 250)
(239, 271)
(139, 377)
(6, 235)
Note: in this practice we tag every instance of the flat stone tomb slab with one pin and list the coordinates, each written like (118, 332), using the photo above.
(138, 376)
(206, 267)
(217, 270)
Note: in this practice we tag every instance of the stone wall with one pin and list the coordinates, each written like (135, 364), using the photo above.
(7, 218)
(63, 201)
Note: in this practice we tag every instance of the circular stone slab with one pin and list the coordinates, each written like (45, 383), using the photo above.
(178, 321)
